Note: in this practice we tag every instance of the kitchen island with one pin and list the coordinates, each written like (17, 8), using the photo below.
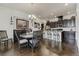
(53, 38)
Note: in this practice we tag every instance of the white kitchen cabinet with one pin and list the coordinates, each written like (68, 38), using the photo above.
(44, 34)
(55, 37)
(47, 35)
(52, 35)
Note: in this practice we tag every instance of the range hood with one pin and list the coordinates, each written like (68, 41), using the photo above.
(60, 18)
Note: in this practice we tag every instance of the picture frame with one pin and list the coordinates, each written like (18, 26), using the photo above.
(22, 24)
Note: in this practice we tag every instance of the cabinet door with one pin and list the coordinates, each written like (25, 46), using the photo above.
(69, 23)
(69, 37)
(73, 22)
(65, 23)
(60, 23)
(52, 24)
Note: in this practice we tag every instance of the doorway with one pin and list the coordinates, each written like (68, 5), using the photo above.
(42, 26)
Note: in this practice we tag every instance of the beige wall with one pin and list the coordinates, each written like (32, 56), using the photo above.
(5, 17)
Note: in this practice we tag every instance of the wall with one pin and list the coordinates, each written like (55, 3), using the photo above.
(69, 16)
(5, 17)
(77, 26)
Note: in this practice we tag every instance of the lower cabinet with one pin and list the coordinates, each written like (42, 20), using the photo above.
(69, 40)
(53, 39)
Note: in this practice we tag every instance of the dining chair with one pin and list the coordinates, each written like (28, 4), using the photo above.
(4, 40)
(21, 41)
(35, 41)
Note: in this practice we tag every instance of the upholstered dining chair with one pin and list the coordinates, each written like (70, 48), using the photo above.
(4, 40)
(3, 37)
(35, 40)
(21, 41)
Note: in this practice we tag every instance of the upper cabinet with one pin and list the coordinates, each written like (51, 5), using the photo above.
(69, 22)
(62, 23)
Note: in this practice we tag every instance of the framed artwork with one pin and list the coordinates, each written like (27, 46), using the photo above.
(22, 24)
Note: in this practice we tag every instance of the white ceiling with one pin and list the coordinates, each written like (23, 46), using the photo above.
(43, 10)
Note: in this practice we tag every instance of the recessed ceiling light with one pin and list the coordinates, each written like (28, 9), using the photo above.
(66, 4)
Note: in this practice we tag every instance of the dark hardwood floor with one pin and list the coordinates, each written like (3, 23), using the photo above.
(43, 50)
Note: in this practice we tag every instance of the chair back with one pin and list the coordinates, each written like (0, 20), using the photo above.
(3, 34)
(37, 35)
(16, 34)
(34, 35)
(36, 38)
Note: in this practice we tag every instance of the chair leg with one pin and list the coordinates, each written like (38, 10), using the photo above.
(19, 46)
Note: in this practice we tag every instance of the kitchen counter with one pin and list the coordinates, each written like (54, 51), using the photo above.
(52, 34)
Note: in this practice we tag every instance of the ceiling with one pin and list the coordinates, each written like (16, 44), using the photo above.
(43, 10)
